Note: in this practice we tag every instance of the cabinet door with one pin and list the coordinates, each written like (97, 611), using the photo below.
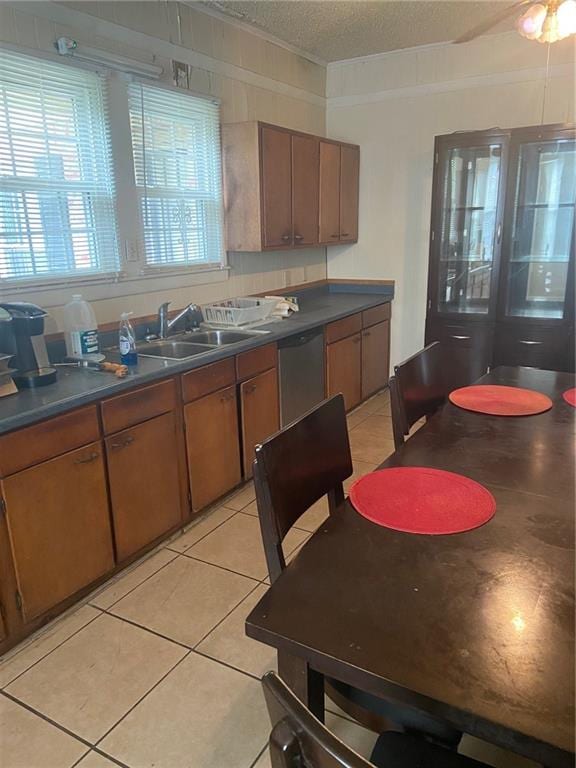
(276, 187)
(305, 192)
(349, 187)
(375, 358)
(467, 213)
(59, 527)
(343, 369)
(539, 233)
(144, 480)
(260, 413)
(2, 628)
(329, 192)
(213, 446)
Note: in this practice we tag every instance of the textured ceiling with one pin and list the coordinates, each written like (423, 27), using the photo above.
(346, 29)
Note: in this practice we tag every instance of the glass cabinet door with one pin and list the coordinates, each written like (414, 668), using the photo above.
(469, 230)
(539, 248)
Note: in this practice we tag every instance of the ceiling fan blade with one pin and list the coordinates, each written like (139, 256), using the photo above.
(479, 29)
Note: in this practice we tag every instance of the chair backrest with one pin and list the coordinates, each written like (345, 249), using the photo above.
(298, 739)
(294, 468)
(421, 384)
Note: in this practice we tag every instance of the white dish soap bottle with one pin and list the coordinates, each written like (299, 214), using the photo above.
(128, 354)
(81, 331)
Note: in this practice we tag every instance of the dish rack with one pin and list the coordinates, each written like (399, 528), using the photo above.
(237, 312)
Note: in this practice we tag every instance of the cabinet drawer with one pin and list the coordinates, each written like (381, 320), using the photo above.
(340, 329)
(375, 315)
(256, 361)
(208, 379)
(533, 346)
(134, 407)
(50, 438)
(466, 349)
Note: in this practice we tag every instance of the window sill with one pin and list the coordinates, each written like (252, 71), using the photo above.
(56, 292)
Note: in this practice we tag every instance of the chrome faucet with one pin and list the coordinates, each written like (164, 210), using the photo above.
(164, 324)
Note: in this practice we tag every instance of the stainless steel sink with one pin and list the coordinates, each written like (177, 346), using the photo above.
(220, 338)
(171, 350)
(187, 345)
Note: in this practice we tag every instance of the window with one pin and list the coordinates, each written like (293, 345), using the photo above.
(177, 167)
(57, 214)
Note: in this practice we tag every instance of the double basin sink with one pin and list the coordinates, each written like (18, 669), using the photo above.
(182, 346)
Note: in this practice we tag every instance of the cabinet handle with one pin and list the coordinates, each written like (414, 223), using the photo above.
(285, 238)
(298, 237)
(335, 236)
(345, 234)
(531, 343)
(499, 232)
(124, 444)
(460, 338)
(366, 333)
(250, 388)
(88, 459)
(227, 397)
(357, 340)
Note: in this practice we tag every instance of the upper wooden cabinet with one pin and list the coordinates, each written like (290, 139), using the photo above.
(272, 194)
(339, 184)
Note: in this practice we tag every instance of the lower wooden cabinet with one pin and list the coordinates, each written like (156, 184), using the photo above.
(259, 408)
(344, 369)
(375, 358)
(212, 445)
(59, 528)
(143, 471)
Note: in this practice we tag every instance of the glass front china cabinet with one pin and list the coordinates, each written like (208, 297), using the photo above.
(501, 273)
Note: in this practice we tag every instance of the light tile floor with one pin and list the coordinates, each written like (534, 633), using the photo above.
(154, 669)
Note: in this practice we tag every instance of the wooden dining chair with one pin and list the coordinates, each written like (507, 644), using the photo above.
(299, 740)
(293, 469)
(417, 389)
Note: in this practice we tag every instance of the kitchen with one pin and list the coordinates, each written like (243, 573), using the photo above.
(320, 191)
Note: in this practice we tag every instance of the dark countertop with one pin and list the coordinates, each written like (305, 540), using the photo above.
(74, 387)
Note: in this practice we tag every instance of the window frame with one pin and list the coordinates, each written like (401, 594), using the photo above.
(133, 274)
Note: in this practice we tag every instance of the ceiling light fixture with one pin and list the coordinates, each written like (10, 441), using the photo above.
(548, 22)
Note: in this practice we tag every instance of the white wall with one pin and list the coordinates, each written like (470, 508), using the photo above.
(393, 105)
(255, 80)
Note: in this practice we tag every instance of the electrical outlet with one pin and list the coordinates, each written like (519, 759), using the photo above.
(132, 251)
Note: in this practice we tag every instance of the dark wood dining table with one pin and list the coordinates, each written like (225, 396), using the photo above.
(475, 628)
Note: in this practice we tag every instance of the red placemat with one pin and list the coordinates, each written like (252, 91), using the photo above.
(570, 396)
(422, 500)
(497, 400)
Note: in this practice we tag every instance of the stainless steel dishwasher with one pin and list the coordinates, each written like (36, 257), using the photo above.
(301, 373)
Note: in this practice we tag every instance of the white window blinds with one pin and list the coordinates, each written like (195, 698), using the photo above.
(57, 214)
(177, 165)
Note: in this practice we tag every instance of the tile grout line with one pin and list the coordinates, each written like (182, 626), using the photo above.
(303, 530)
(181, 552)
(227, 615)
(228, 570)
(48, 653)
(141, 699)
(161, 568)
(44, 717)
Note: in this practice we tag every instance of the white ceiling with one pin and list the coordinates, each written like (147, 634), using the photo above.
(346, 29)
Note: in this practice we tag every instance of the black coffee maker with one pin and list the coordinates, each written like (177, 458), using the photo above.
(24, 337)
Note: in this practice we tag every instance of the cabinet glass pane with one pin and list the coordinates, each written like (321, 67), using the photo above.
(468, 230)
(542, 226)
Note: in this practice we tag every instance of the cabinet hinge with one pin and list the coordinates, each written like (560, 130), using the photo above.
(18, 598)
(189, 500)
(2, 506)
